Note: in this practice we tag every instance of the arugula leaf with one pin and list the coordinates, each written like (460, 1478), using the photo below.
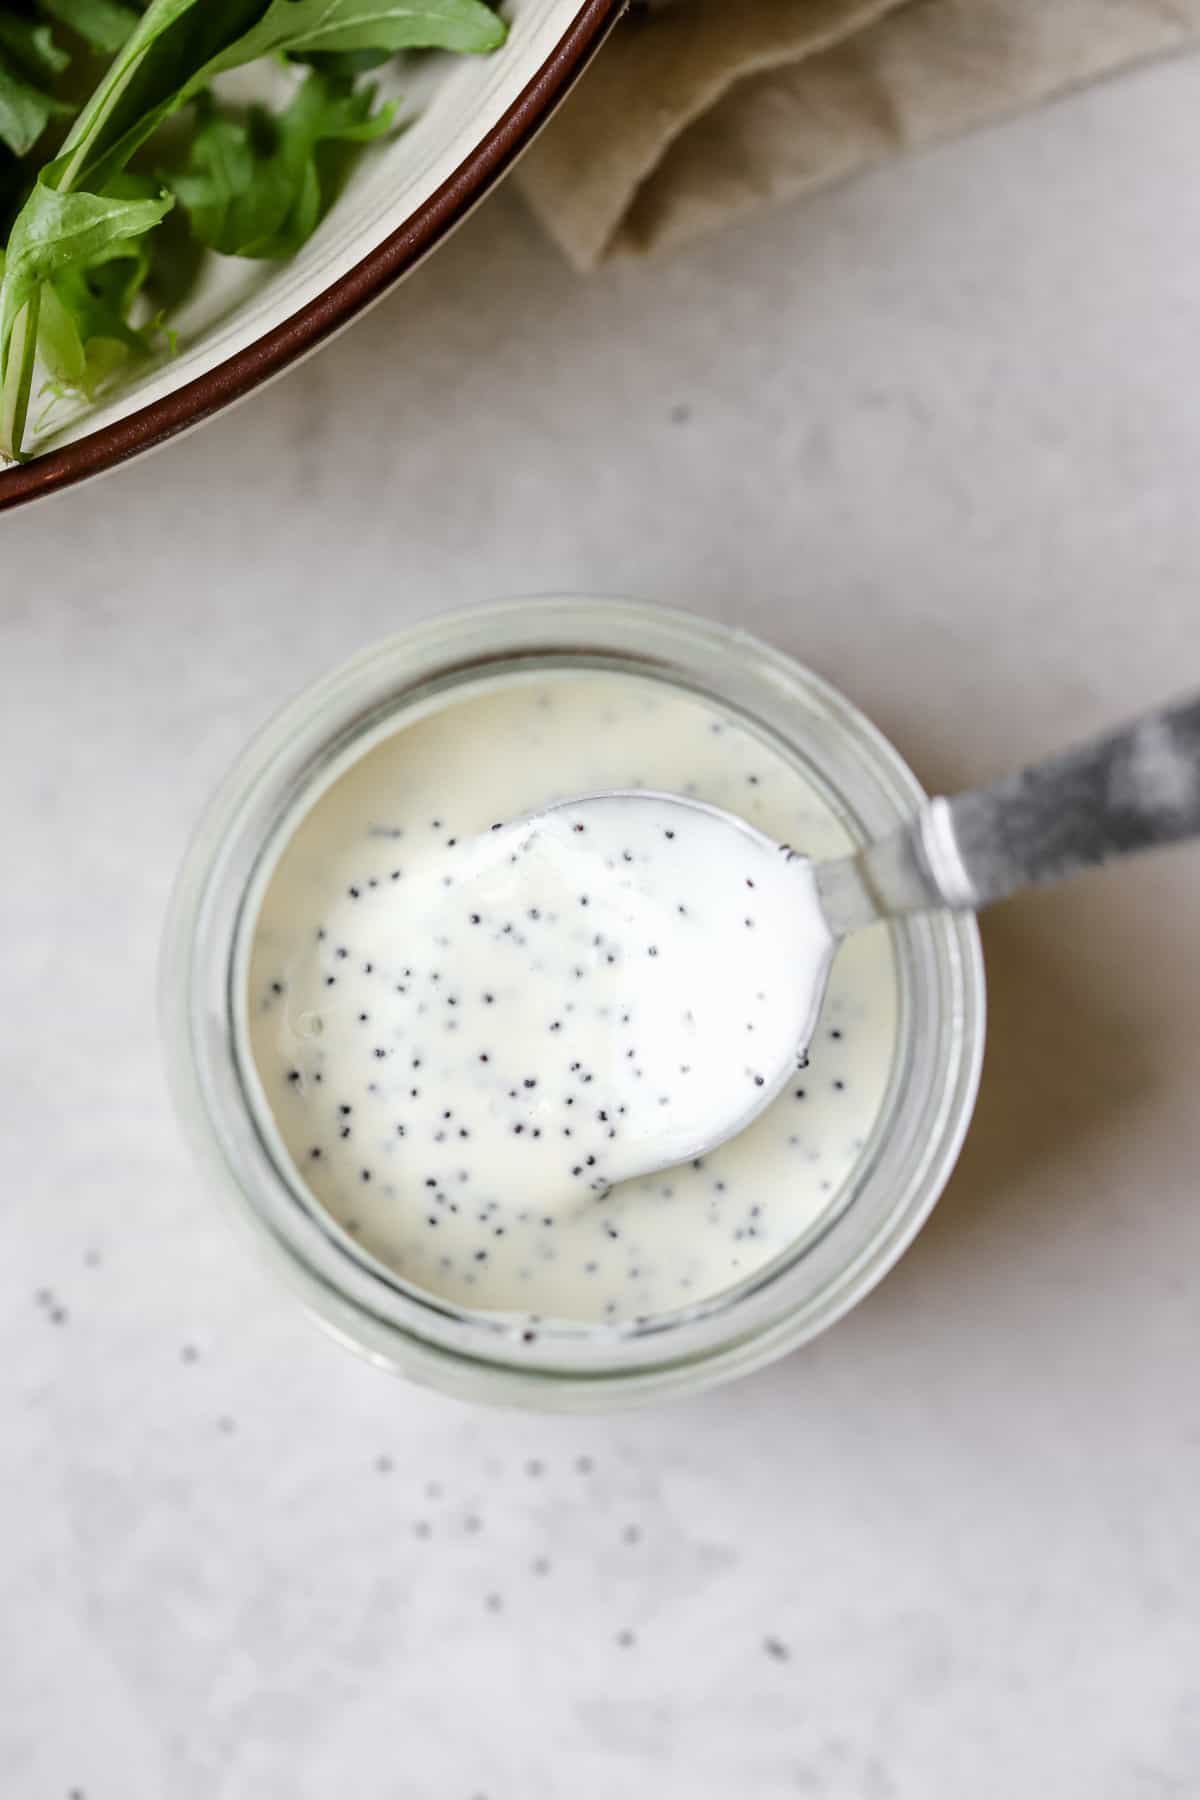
(254, 186)
(302, 26)
(84, 330)
(345, 65)
(57, 230)
(101, 23)
(53, 233)
(32, 46)
(25, 111)
(146, 82)
(179, 49)
(259, 186)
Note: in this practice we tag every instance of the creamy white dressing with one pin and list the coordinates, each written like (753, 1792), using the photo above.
(474, 1035)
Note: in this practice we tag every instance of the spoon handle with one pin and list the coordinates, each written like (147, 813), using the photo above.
(1133, 790)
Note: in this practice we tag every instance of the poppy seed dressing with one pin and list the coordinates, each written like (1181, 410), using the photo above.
(473, 1032)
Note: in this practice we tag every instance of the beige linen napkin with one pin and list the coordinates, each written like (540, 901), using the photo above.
(697, 110)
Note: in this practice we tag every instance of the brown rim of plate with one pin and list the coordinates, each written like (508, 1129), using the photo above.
(340, 302)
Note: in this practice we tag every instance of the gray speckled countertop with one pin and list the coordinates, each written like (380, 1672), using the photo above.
(938, 434)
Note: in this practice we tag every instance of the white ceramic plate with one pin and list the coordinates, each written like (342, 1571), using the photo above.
(470, 119)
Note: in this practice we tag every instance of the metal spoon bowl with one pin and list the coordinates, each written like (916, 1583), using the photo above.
(1134, 790)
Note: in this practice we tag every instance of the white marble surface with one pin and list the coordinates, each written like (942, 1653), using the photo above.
(938, 433)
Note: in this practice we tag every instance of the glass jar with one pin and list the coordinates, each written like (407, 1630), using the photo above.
(902, 1168)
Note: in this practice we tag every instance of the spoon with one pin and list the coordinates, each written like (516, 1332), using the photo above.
(769, 936)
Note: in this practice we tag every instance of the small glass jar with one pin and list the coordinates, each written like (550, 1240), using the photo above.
(570, 1367)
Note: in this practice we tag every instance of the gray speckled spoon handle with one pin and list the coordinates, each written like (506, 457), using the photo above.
(1134, 790)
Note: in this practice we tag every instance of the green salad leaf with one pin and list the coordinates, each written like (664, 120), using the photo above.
(258, 186)
(25, 110)
(146, 81)
(101, 23)
(29, 58)
(31, 45)
(180, 46)
(56, 232)
(54, 235)
(84, 329)
(251, 183)
(344, 25)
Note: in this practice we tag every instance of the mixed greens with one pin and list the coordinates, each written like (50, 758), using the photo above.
(92, 160)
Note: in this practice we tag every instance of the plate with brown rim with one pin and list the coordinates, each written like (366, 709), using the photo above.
(467, 120)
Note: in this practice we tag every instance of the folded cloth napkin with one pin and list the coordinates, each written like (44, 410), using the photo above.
(699, 109)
